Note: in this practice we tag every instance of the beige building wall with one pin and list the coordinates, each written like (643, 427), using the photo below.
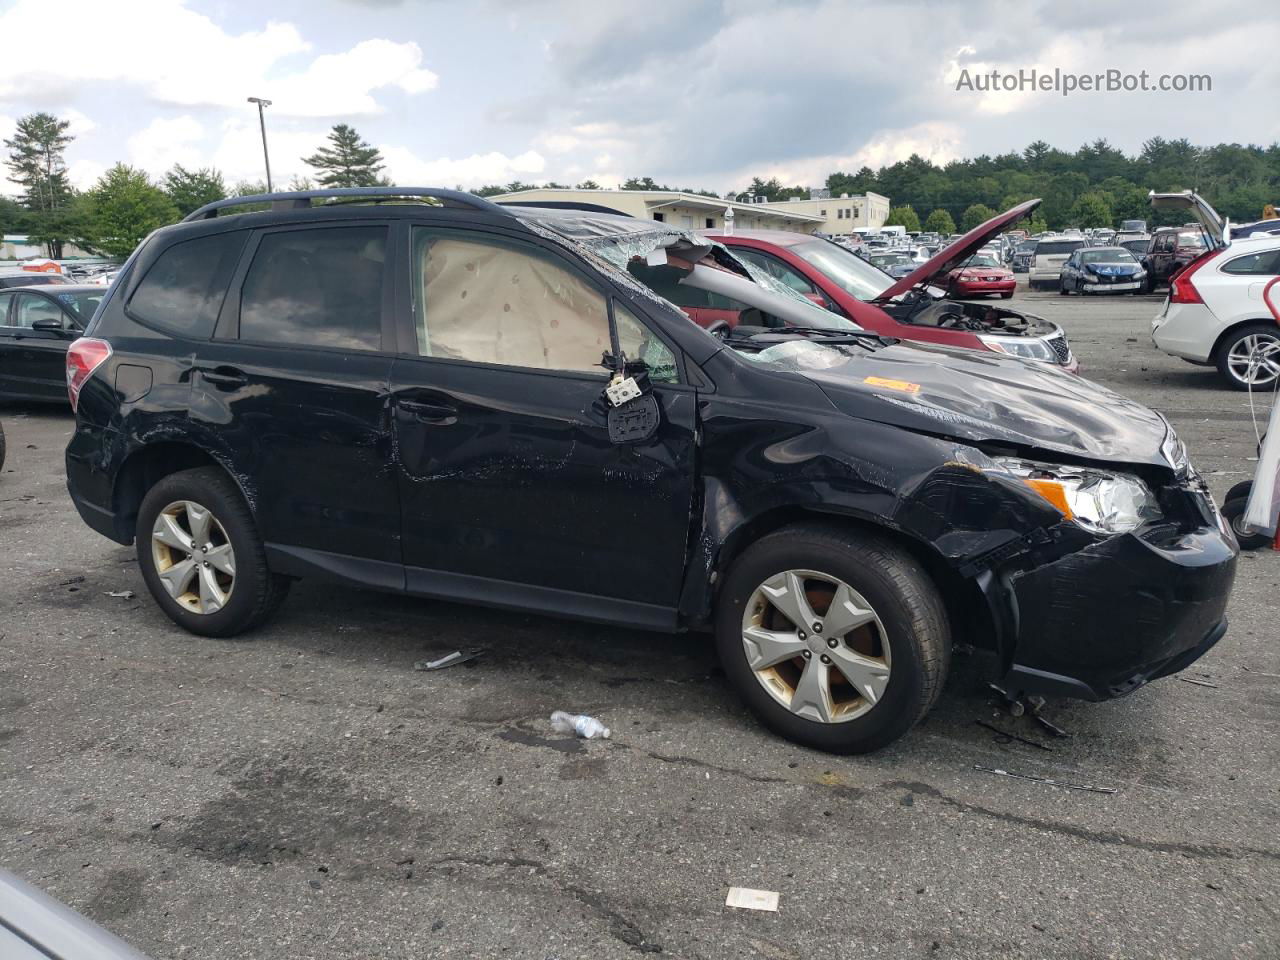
(685, 210)
(843, 214)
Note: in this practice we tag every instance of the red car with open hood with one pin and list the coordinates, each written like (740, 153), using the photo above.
(915, 307)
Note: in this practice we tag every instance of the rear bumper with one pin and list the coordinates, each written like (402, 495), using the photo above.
(1103, 621)
(91, 489)
(1187, 330)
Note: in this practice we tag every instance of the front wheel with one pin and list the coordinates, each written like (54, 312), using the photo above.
(1233, 512)
(1007, 296)
(835, 640)
(201, 556)
(1249, 358)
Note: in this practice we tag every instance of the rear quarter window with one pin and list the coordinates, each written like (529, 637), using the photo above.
(183, 289)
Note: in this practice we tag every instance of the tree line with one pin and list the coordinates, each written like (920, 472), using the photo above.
(1094, 186)
(1097, 185)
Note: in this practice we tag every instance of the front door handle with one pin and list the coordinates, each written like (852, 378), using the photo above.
(223, 376)
(439, 413)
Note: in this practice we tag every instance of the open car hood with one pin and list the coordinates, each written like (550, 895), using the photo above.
(951, 256)
(1189, 202)
(980, 397)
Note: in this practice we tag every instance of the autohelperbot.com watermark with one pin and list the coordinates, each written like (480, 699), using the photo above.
(1065, 83)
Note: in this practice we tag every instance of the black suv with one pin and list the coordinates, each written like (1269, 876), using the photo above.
(420, 391)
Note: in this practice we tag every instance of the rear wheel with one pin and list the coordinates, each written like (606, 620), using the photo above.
(201, 556)
(1249, 358)
(834, 640)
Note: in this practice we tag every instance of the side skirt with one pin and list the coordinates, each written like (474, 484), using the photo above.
(464, 588)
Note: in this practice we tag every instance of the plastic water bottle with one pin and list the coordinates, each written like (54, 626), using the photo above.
(588, 728)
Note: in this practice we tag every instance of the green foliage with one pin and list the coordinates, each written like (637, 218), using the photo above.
(123, 207)
(37, 162)
(191, 189)
(347, 161)
(975, 215)
(1035, 225)
(939, 221)
(773, 190)
(588, 185)
(1093, 209)
(905, 217)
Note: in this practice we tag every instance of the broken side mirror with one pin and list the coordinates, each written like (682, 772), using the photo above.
(633, 411)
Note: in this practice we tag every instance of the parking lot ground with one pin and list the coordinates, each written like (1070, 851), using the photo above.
(304, 793)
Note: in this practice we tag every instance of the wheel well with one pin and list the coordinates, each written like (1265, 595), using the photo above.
(1270, 321)
(967, 609)
(146, 467)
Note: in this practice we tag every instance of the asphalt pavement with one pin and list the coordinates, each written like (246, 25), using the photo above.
(305, 793)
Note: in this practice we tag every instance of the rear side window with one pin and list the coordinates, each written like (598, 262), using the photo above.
(1255, 264)
(316, 288)
(5, 300)
(184, 289)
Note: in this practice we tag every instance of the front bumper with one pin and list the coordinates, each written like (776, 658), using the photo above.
(1118, 285)
(971, 288)
(1102, 621)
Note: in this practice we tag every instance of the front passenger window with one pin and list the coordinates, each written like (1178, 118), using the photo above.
(637, 343)
(32, 308)
(489, 300)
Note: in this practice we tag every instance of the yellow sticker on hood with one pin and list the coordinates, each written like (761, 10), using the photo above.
(893, 384)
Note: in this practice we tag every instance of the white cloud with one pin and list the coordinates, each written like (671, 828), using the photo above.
(408, 169)
(166, 141)
(238, 153)
(178, 56)
(83, 174)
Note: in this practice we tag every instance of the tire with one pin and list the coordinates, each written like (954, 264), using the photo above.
(1233, 511)
(1062, 289)
(910, 624)
(1007, 296)
(252, 592)
(1239, 492)
(1231, 355)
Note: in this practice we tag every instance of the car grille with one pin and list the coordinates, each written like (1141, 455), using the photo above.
(1061, 349)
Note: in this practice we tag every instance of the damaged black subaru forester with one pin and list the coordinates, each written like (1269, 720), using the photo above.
(423, 392)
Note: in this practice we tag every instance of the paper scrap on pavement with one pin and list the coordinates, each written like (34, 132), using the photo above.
(745, 898)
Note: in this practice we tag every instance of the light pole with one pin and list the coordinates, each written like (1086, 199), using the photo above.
(262, 123)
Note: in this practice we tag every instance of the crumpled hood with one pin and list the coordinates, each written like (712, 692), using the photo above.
(985, 396)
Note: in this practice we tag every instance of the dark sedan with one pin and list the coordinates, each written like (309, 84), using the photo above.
(1102, 270)
(36, 325)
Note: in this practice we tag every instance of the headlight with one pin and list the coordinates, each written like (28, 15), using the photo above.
(1174, 452)
(1106, 503)
(1029, 348)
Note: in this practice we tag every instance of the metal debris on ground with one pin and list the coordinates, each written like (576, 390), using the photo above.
(70, 580)
(448, 660)
(120, 594)
(744, 898)
(1198, 683)
(1049, 725)
(1049, 781)
(588, 728)
(1006, 736)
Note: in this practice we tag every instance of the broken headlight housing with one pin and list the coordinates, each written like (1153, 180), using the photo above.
(1029, 348)
(1101, 502)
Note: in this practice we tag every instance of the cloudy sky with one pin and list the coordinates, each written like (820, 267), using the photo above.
(702, 93)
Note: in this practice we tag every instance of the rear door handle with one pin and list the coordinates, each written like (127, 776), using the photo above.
(224, 376)
(429, 412)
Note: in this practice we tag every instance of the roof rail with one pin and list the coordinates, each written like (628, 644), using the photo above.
(301, 199)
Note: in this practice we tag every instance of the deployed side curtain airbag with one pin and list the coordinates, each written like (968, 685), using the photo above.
(491, 303)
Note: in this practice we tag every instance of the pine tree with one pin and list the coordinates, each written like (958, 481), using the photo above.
(36, 159)
(347, 161)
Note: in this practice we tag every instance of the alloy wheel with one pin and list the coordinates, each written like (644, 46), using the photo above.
(1255, 359)
(816, 645)
(193, 557)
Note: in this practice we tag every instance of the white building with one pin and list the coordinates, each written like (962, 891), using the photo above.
(689, 211)
(842, 214)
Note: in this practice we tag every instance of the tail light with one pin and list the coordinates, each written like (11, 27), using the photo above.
(83, 357)
(1181, 289)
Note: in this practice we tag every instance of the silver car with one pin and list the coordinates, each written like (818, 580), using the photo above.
(1046, 263)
